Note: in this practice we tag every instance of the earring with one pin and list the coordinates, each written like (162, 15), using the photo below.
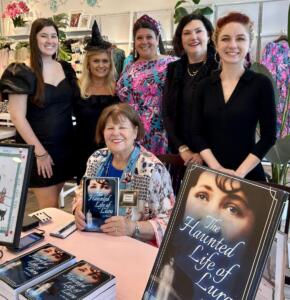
(217, 60)
(56, 53)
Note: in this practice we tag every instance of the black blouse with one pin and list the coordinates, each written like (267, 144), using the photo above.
(229, 129)
(177, 98)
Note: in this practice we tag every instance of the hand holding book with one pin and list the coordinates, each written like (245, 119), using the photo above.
(118, 226)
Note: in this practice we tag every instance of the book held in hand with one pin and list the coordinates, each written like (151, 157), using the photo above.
(80, 281)
(26, 270)
(100, 200)
(217, 240)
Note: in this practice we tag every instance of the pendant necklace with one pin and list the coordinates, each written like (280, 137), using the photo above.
(194, 73)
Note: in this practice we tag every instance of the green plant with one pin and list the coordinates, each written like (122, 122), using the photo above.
(61, 21)
(180, 11)
(279, 154)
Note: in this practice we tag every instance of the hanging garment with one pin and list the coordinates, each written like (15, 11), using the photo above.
(276, 57)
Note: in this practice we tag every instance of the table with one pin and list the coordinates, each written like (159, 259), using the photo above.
(129, 260)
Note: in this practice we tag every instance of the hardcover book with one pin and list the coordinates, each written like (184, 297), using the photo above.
(26, 270)
(80, 281)
(217, 240)
(100, 200)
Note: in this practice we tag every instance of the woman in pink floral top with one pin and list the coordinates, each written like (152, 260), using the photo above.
(276, 57)
(142, 81)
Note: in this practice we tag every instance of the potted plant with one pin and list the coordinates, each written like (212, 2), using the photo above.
(180, 11)
(16, 11)
(61, 21)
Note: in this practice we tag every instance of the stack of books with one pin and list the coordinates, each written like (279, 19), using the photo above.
(80, 281)
(49, 272)
(20, 273)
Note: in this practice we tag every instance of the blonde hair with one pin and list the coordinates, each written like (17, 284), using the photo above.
(85, 79)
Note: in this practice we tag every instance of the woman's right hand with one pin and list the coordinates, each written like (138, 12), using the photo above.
(44, 166)
(79, 218)
(227, 171)
(189, 156)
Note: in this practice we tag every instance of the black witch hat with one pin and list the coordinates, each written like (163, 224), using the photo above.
(96, 42)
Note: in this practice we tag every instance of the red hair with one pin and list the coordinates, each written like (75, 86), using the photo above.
(234, 17)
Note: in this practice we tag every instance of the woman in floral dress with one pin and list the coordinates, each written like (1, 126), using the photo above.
(142, 81)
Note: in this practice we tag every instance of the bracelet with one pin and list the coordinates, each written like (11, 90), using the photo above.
(183, 148)
(136, 233)
(42, 155)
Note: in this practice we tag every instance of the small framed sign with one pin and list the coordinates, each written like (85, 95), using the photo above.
(74, 19)
(128, 198)
(85, 21)
(15, 168)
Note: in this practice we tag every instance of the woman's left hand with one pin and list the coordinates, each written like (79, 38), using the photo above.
(118, 226)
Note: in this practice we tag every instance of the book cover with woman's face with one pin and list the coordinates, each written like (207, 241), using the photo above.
(215, 240)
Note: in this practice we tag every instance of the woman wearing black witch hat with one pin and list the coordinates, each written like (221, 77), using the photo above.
(97, 85)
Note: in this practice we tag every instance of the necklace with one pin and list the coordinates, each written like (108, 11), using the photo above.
(194, 73)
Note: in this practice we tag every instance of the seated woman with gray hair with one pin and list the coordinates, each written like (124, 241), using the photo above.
(120, 128)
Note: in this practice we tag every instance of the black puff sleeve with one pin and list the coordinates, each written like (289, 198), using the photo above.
(17, 79)
(70, 74)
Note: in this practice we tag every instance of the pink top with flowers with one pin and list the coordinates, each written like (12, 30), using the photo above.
(276, 57)
(141, 86)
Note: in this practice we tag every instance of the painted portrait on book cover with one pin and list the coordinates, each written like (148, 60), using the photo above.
(74, 283)
(32, 265)
(99, 202)
(210, 251)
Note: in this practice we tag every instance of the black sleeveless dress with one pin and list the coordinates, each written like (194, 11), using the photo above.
(87, 112)
(51, 122)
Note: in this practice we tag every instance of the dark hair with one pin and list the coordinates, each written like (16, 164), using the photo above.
(116, 112)
(177, 39)
(35, 56)
(141, 23)
(250, 191)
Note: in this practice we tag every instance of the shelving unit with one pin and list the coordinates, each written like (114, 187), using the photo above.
(269, 16)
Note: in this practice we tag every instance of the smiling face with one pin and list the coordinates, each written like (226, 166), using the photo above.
(120, 137)
(47, 41)
(99, 65)
(194, 40)
(233, 43)
(146, 43)
(231, 208)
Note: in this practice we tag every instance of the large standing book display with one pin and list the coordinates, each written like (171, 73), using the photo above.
(217, 240)
(15, 169)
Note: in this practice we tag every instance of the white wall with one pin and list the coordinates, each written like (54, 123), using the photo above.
(117, 16)
(110, 6)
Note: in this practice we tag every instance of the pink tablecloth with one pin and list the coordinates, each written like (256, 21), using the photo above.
(129, 260)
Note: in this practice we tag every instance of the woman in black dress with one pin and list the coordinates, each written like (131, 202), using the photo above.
(41, 95)
(231, 103)
(192, 42)
(97, 86)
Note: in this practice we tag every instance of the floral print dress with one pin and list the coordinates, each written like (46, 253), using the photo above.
(152, 181)
(276, 57)
(141, 86)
